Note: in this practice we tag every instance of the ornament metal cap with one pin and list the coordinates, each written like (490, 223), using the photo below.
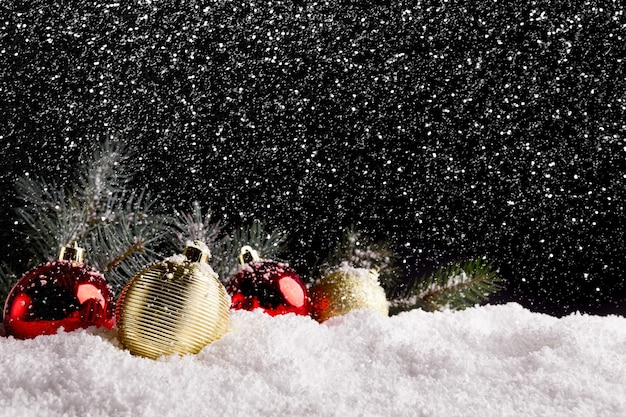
(197, 251)
(374, 273)
(247, 254)
(72, 253)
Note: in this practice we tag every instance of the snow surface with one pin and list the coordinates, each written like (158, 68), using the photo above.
(485, 361)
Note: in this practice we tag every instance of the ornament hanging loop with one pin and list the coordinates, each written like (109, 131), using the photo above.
(374, 273)
(247, 254)
(197, 251)
(72, 253)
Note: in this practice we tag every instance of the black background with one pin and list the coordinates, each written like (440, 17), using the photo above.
(449, 128)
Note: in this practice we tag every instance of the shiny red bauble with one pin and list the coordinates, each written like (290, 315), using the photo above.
(269, 285)
(58, 294)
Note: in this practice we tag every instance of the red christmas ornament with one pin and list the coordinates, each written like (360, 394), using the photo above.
(64, 293)
(269, 285)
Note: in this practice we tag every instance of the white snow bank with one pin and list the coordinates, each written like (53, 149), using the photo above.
(485, 361)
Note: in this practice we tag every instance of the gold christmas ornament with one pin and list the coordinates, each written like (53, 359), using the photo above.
(345, 290)
(174, 306)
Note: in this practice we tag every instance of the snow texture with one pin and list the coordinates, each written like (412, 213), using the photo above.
(485, 361)
(370, 275)
(452, 128)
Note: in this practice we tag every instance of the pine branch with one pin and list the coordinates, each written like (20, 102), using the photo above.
(455, 286)
(54, 218)
(7, 279)
(194, 225)
(115, 224)
(357, 251)
(103, 177)
(226, 250)
(119, 249)
(114, 263)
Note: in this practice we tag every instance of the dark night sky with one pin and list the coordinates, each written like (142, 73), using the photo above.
(447, 127)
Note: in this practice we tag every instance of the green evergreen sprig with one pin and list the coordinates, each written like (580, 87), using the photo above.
(98, 210)
(7, 280)
(52, 215)
(194, 225)
(225, 247)
(123, 247)
(269, 245)
(121, 233)
(455, 286)
(356, 250)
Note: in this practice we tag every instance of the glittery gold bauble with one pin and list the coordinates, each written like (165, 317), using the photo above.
(345, 290)
(174, 306)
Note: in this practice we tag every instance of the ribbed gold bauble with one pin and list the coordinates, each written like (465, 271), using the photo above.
(174, 306)
(345, 290)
